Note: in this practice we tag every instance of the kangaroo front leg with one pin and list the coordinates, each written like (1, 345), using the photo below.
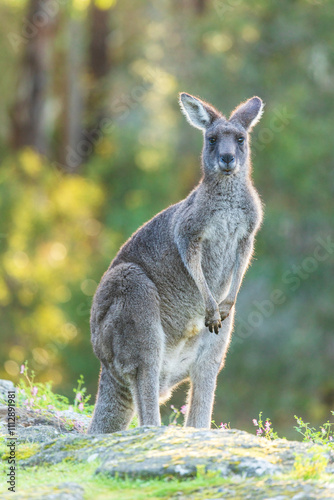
(212, 315)
(203, 376)
(200, 400)
(191, 254)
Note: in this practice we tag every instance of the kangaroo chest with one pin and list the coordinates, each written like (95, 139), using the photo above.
(220, 245)
(227, 224)
(223, 232)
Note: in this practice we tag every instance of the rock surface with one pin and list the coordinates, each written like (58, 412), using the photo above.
(5, 386)
(177, 452)
(34, 426)
(63, 491)
(264, 490)
(249, 467)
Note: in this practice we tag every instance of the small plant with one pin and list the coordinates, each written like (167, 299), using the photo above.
(81, 399)
(176, 414)
(264, 429)
(36, 395)
(222, 426)
(325, 435)
(310, 467)
(134, 422)
(40, 398)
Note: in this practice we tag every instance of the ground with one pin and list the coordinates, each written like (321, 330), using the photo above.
(57, 460)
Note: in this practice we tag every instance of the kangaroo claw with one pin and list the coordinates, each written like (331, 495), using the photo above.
(214, 325)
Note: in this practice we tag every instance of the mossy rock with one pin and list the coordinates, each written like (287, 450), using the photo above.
(177, 452)
(173, 462)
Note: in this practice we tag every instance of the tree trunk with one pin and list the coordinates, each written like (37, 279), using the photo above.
(199, 6)
(83, 114)
(98, 49)
(99, 66)
(28, 111)
(72, 121)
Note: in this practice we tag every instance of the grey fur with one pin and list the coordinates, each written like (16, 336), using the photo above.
(180, 271)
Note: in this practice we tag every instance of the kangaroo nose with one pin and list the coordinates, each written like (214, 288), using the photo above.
(227, 159)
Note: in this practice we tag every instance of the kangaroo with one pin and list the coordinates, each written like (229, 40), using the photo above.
(175, 281)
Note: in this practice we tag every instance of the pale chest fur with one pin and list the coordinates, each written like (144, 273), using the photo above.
(229, 210)
(230, 225)
(222, 235)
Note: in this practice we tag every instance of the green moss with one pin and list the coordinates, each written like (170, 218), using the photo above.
(49, 445)
(27, 450)
(76, 445)
(170, 446)
(23, 451)
(312, 466)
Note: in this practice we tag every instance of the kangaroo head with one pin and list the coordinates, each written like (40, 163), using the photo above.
(226, 141)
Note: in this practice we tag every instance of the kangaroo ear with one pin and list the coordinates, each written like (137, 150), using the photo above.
(200, 114)
(248, 113)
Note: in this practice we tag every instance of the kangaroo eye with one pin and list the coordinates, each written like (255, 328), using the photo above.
(212, 140)
(241, 140)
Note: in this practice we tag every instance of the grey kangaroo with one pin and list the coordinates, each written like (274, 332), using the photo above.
(174, 283)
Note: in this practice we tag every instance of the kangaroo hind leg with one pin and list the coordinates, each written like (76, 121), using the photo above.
(114, 406)
(129, 337)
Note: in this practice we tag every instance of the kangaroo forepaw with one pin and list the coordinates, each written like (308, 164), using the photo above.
(213, 324)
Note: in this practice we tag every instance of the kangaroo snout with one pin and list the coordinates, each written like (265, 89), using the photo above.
(227, 163)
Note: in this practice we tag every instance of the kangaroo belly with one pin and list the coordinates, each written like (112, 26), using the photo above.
(177, 361)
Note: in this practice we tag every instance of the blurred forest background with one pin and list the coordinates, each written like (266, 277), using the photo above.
(93, 144)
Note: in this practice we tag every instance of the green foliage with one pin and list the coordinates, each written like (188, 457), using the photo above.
(40, 396)
(134, 422)
(325, 435)
(50, 232)
(24, 451)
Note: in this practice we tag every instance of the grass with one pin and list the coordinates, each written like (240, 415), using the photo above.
(43, 479)
(101, 485)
